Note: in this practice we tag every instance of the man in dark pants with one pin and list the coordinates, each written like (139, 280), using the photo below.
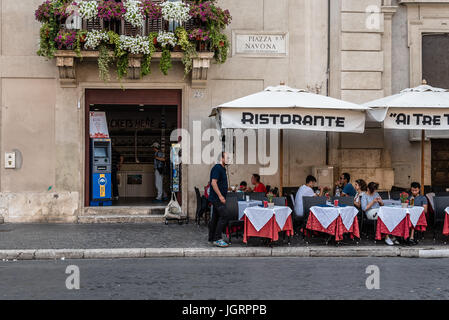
(217, 196)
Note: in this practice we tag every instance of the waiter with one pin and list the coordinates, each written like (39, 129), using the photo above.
(217, 196)
(159, 167)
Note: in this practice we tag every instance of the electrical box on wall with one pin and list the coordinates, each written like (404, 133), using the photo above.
(10, 160)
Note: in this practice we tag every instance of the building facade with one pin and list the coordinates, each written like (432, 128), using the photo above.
(356, 50)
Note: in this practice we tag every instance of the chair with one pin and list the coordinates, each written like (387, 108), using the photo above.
(232, 206)
(441, 203)
(291, 201)
(260, 196)
(280, 201)
(396, 195)
(442, 194)
(201, 207)
(346, 201)
(287, 191)
(385, 195)
(239, 195)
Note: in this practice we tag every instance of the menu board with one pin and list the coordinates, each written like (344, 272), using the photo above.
(98, 125)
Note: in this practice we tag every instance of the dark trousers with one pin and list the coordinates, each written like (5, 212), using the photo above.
(218, 221)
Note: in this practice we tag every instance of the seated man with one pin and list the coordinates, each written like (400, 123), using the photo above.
(305, 190)
(419, 201)
(348, 188)
(259, 186)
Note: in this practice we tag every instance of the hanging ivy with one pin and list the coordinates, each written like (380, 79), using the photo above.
(165, 63)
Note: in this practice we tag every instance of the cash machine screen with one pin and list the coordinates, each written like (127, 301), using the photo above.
(100, 152)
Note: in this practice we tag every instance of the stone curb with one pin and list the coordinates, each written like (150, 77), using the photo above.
(56, 254)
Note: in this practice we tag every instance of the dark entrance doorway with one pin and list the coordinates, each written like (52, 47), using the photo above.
(435, 70)
(136, 119)
(440, 164)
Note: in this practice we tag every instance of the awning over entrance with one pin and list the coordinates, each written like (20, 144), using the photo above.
(282, 107)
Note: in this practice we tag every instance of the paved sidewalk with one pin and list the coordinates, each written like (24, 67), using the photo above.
(53, 241)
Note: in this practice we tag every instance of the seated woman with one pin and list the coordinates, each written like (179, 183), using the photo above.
(371, 202)
(361, 188)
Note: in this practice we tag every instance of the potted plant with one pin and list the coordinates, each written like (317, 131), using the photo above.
(270, 197)
(65, 39)
(404, 199)
(202, 38)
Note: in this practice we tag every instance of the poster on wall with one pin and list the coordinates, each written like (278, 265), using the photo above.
(98, 125)
(175, 166)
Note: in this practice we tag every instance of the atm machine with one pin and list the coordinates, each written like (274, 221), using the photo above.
(101, 164)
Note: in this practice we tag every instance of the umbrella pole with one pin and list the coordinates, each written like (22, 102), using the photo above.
(422, 161)
(281, 163)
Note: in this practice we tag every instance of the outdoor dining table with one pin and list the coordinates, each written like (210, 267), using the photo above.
(398, 221)
(245, 204)
(446, 222)
(335, 221)
(267, 222)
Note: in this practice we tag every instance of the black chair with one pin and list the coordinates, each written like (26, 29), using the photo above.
(202, 208)
(291, 201)
(442, 194)
(385, 195)
(239, 195)
(232, 206)
(364, 222)
(280, 201)
(287, 191)
(396, 195)
(346, 201)
(441, 203)
(308, 202)
(259, 196)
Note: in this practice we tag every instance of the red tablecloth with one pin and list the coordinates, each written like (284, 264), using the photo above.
(446, 224)
(270, 230)
(402, 229)
(336, 228)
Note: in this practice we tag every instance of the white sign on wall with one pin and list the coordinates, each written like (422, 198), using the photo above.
(265, 44)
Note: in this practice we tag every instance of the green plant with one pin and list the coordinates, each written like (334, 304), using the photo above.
(47, 45)
(220, 46)
(165, 63)
(104, 60)
(120, 56)
(188, 48)
(145, 68)
(80, 37)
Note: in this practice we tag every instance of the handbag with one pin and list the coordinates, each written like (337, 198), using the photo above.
(173, 209)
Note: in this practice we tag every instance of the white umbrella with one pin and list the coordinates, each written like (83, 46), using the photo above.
(421, 108)
(283, 107)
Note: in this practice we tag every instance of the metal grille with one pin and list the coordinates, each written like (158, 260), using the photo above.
(93, 24)
(129, 30)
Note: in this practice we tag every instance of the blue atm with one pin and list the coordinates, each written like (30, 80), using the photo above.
(101, 164)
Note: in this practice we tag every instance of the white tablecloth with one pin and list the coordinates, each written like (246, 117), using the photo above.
(392, 216)
(245, 204)
(260, 216)
(327, 215)
(447, 210)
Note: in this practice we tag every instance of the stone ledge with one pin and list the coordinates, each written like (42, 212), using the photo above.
(65, 61)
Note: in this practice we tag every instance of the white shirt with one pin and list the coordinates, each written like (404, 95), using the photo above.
(304, 191)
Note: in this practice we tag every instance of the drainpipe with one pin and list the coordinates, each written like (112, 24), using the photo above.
(328, 69)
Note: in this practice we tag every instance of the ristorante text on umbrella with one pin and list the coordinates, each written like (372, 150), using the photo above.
(249, 118)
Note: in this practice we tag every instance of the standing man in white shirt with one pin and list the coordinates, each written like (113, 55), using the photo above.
(306, 190)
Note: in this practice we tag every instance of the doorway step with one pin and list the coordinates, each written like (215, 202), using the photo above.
(147, 214)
